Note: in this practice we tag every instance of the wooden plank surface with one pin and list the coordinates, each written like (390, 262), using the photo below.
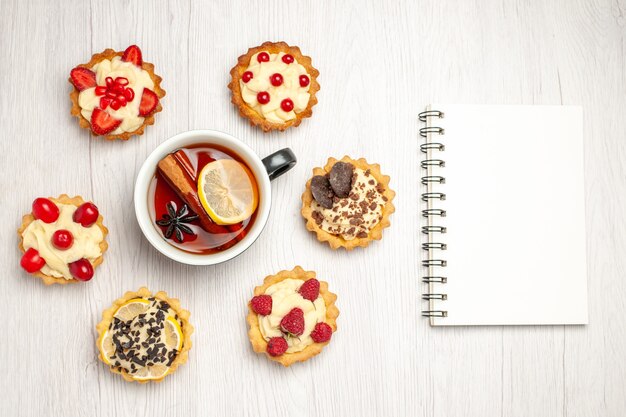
(380, 64)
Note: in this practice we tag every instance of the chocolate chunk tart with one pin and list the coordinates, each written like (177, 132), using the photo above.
(292, 316)
(143, 336)
(347, 203)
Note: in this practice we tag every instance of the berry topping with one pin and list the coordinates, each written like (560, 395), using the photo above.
(83, 78)
(277, 346)
(310, 290)
(293, 322)
(263, 57)
(149, 102)
(276, 79)
(86, 214)
(304, 80)
(116, 94)
(123, 81)
(45, 210)
(31, 261)
(101, 90)
(263, 97)
(247, 76)
(287, 58)
(62, 239)
(340, 178)
(133, 54)
(261, 304)
(286, 105)
(82, 270)
(102, 122)
(321, 333)
(322, 193)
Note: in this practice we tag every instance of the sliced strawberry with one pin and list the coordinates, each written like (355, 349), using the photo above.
(133, 54)
(102, 122)
(82, 78)
(149, 102)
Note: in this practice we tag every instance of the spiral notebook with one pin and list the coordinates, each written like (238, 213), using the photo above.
(503, 215)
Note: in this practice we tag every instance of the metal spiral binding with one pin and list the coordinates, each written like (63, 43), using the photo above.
(431, 213)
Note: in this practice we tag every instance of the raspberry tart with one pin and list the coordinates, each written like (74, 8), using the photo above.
(116, 94)
(274, 86)
(62, 240)
(292, 316)
(143, 336)
(347, 203)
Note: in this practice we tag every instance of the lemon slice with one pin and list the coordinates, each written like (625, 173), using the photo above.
(132, 308)
(227, 191)
(173, 334)
(151, 372)
(107, 347)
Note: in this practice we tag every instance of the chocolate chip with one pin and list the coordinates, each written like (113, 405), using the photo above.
(340, 178)
(322, 192)
(361, 235)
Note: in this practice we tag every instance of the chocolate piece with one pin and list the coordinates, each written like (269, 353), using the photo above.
(340, 178)
(322, 192)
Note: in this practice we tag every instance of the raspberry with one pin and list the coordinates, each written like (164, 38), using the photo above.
(277, 346)
(293, 322)
(321, 333)
(261, 304)
(310, 290)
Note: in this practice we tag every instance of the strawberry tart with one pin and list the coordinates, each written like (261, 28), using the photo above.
(274, 86)
(62, 240)
(116, 94)
(292, 316)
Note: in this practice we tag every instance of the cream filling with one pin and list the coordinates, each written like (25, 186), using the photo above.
(38, 235)
(290, 88)
(285, 297)
(356, 215)
(138, 79)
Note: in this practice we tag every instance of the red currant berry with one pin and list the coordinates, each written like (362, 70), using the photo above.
(31, 261)
(87, 214)
(286, 105)
(263, 97)
(288, 59)
(45, 210)
(263, 57)
(304, 80)
(276, 79)
(82, 270)
(247, 76)
(62, 239)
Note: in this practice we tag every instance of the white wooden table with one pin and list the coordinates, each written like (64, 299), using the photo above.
(380, 64)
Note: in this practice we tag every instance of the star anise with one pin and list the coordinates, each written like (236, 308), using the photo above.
(175, 221)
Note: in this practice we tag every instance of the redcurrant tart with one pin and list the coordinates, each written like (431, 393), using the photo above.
(62, 239)
(45, 210)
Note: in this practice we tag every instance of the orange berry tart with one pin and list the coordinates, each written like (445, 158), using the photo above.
(116, 94)
(62, 240)
(144, 337)
(292, 316)
(347, 203)
(274, 86)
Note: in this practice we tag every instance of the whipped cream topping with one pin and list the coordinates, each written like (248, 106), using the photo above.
(138, 79)
(353, 216)
(38, 235)
(141, 342)
(290, 88)
(285, 297)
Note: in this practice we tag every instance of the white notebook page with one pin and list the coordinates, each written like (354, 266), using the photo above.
(515, 215)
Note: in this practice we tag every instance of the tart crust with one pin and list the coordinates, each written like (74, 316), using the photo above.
(144, 292)
(336, 241)
(259, 344)
(251, 114)
(27, 219)
(149, 120)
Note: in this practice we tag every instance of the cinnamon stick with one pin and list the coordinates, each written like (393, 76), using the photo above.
(177, 176)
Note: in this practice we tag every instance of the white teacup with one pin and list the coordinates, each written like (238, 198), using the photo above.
(264, 171)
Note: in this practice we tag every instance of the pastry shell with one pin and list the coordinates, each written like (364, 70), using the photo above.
(259, 344)
(335, 241)
(27, 219)
(251, 114)
(149, 120)
(143, 292)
